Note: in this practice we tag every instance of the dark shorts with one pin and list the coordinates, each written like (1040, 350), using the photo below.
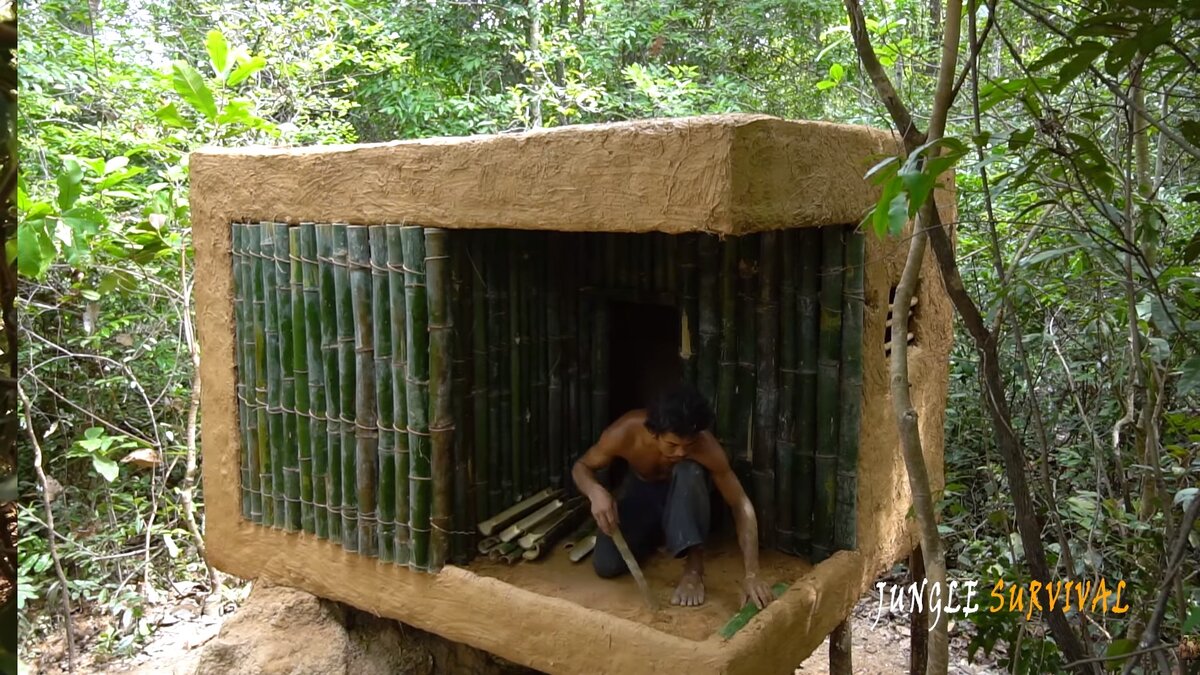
(675, 512)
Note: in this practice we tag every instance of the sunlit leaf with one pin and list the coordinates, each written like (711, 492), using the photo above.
(107, 468)
(69, 184)
(191, 87)
(170, 116)
(218, 52)
(35, 248)
(246, 69)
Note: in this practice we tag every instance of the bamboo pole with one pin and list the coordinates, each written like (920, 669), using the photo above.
(708, 313)
(480, 380)
(366, 427)
(548, 530)
(261, 463)
(329, 366)
(385, 408)
(441, 395)
(308, 521)
(463, 414)
(600, 365)
(850, 394)
(492, 526)
(278, 434)
(499, 486)
(537, 472)
(399, 337)
(671, 246)
(245, 372)
(785, 444)
(417, 388)
(584, 339)
(727, 364)
(807, 317)
(828, 408)
(523, 525)
(555, 413)
(317, 406)
(767, 391)
(570, 326)
(287, 393)
(747, 368)
(690, 331)
(516, 427)
(345, 391)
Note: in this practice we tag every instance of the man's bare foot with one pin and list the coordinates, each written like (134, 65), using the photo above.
(690, 591)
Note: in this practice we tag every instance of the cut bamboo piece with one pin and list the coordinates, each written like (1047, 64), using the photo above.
(303, 414)
(582, 548)
(850, 393)
(548, 530)
(399, 337)
(766, 400)
(274, 368)
(330, 365)
(486, 545)
(417, 389)
(317, 406)
(504, 549)
(344, 306)
(506, 517)
(287, 393)
(828, 408)
(588, 526)
(522, 526)
(808, 328)
(441, 418)
(260, 476)
(747, 612)
(385, 409)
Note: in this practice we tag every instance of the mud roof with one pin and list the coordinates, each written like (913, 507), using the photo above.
(727, 174)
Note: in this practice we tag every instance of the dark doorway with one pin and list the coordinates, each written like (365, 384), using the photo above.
(644, 353)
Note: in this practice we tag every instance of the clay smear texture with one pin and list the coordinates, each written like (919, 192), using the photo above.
(728, 174)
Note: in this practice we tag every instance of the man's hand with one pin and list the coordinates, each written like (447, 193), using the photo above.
(756, 591)
(604, 510)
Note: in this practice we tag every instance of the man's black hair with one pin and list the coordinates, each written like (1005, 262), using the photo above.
(680, 410)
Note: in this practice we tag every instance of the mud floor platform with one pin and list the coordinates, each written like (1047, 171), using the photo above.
(556, 576)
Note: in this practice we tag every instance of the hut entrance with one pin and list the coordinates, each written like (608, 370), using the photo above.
(644, 348)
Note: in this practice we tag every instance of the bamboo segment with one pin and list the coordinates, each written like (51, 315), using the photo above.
(441, 418)
(523, 525)
(600, 364)
(503, 551)
(850, 394)
(586, 528)
(287, 394)
(347, 406)
(366, 429)
(585, 339)
(690, 329)
(570, 326)
(499, 486)
(480, 382)
(727, 365)
(548, 530)
(785, 444)
(261, 469)
(330, 365)
(417, 389)
(506, 517)
(274, 369)
(303, 440)
(767, 393)
(487, 544)
(463, 407)
(517, 447)
(399, 336)
(555, 412)
(744, 399)
(807, 315)
(828, 353)
(708, 314)
(535, 361)
(582, 549)
(317, 406)
(385, 410)
(245, 372)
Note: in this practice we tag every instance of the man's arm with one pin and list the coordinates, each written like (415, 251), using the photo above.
(600, 455)
(730, 487)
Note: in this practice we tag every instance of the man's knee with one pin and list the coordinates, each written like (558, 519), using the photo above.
(690, 471)
(607, 563)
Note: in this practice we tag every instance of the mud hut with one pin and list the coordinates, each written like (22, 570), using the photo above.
(402, 339)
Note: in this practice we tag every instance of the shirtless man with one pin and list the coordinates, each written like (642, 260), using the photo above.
(672, 456)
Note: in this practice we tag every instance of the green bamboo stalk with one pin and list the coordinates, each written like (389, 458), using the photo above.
(850, 393)
(399, 337)
(709, 314)
(745, 397)
(347, 383)
(555, 413)
(588, 260)
(262, 502)
(532, 346)
(366, 426)
(570, 324)
(767, 377)
(382, 332)
(541, 389)
(600, 364)
(480, 381)
(463, 414)
(245, 372)
(727, 364)
(516, 403)
(417, 373)
(318, 432)
(785, 444)
(326, 266)
(287, 394)
(308, 521)
(828, 353)
(441, 418)
(499, 485)
(689, 328)
(807, 319)
(278, 433)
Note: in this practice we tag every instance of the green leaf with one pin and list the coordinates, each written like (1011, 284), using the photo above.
(191, 87)
(70, 186)
(836, 72)
(825, 84)
(918, 185)
(1085, 55)
(246, 69)
(84, 220)
(884, 170)
(35, 248)
(115, 164)
(107, 468)
(897, 214)
(169, 115)
(218, 52)
(119, 177)
(1118, 649)
(1189, 378)
(1192, 250)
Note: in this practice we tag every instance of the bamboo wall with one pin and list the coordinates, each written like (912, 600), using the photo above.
(398, 384)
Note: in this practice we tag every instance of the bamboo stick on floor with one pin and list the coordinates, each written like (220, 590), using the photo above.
(318, 433)
(441, 418)
(399, 337)
(785, 444)
(385, 408)
(417, 373)
(287, 394)
(278, 434)
(767, 391)
(828, 408)
(727, 365)
(330, 365)
(303, 413)
(260, 476)
(850, 394)
(347, 378)
(808, 325)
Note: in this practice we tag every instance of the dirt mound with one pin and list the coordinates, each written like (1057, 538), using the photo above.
(284, 631)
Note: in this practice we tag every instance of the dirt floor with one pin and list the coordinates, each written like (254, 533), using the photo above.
(559, 577)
